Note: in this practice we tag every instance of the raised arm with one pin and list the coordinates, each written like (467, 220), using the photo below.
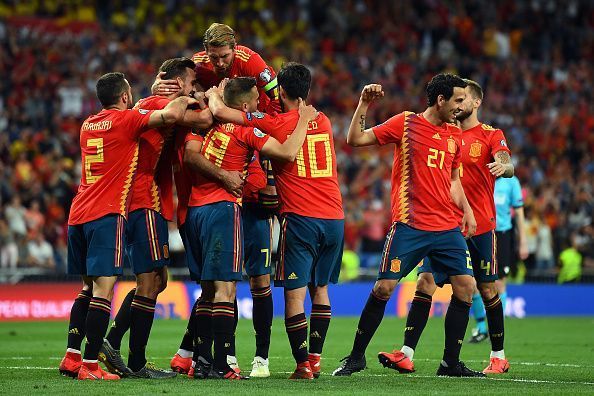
(193, 158)
(459, 199)
(288, 150)
(358, 135)
(502, 167)
(172, 113)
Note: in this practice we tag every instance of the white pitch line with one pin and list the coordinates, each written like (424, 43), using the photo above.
(531, 381)
(522, 380)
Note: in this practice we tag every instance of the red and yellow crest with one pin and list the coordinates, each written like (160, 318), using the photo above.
(395, 265)
(451, 145)
(475, 151)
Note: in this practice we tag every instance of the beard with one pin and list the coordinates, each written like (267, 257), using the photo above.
(461, 116)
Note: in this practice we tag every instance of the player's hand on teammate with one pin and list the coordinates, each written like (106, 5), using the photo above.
(468, 224)
(165, 87)
(233, 183)
(497, 169)
(200, 97)
(371, 92)
(307, 111)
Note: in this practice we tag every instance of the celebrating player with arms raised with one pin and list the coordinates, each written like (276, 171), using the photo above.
(425, 181)
(485, 156)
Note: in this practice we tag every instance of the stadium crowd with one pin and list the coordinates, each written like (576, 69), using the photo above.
(537, 79)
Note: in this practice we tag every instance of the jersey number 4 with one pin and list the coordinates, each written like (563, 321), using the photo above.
(314, 164)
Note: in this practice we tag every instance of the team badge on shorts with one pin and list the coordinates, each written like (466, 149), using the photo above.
(166, 251)
(395, 265)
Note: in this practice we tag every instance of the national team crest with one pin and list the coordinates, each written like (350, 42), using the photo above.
(395, 265)
(451, 145)
(475, 151)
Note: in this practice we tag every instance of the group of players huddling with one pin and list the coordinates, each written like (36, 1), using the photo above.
(242, 146)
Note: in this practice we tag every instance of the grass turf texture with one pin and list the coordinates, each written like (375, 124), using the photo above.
(547, 355)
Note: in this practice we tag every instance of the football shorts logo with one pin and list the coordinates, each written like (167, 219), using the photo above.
(143, 111)
(266, 75)
(395, 265)
(475, 151)
(166, 251)
(293, 276)
(259, 133)
(451, 145)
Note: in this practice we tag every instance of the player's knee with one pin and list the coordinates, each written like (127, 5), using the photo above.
(426, 284)
(384, 288)
(487, 290)
(259, 282)
(463, 287)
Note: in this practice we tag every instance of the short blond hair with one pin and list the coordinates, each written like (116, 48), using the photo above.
(475, 88)
(219, 35)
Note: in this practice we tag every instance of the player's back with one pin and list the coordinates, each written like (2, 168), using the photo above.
(109, 148)
(152, 187)
(230, 147)
(309, 185)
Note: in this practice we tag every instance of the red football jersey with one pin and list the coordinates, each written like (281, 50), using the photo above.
(230, 147)
(182, 175)
(424, 157)
(246, 63)
(255, 181)
(152, 187)
(309, 185)
(479, 145)
(109, 150)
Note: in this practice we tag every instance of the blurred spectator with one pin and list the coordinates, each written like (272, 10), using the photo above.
(545, 260)
(40, 252)
(373, 234)
(538, 87)
(9, 253)
(570, 261)
(34, 218)
(15, 216)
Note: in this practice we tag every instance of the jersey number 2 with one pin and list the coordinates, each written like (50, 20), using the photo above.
(93, 158)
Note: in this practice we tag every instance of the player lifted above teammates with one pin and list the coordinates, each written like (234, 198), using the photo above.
(425, 181)
(97, 221)
(151, 208)
(223, 58)
(214, 228)
(484, 157)
(312, 236)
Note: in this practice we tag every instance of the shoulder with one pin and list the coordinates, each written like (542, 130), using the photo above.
(244, 53)
(153, 102)
(200, 57)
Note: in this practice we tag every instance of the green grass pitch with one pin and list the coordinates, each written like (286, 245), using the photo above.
(547, 355)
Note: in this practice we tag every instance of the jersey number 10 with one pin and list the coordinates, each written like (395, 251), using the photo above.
(314, 165)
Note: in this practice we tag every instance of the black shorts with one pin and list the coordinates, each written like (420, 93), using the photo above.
(505, 252)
